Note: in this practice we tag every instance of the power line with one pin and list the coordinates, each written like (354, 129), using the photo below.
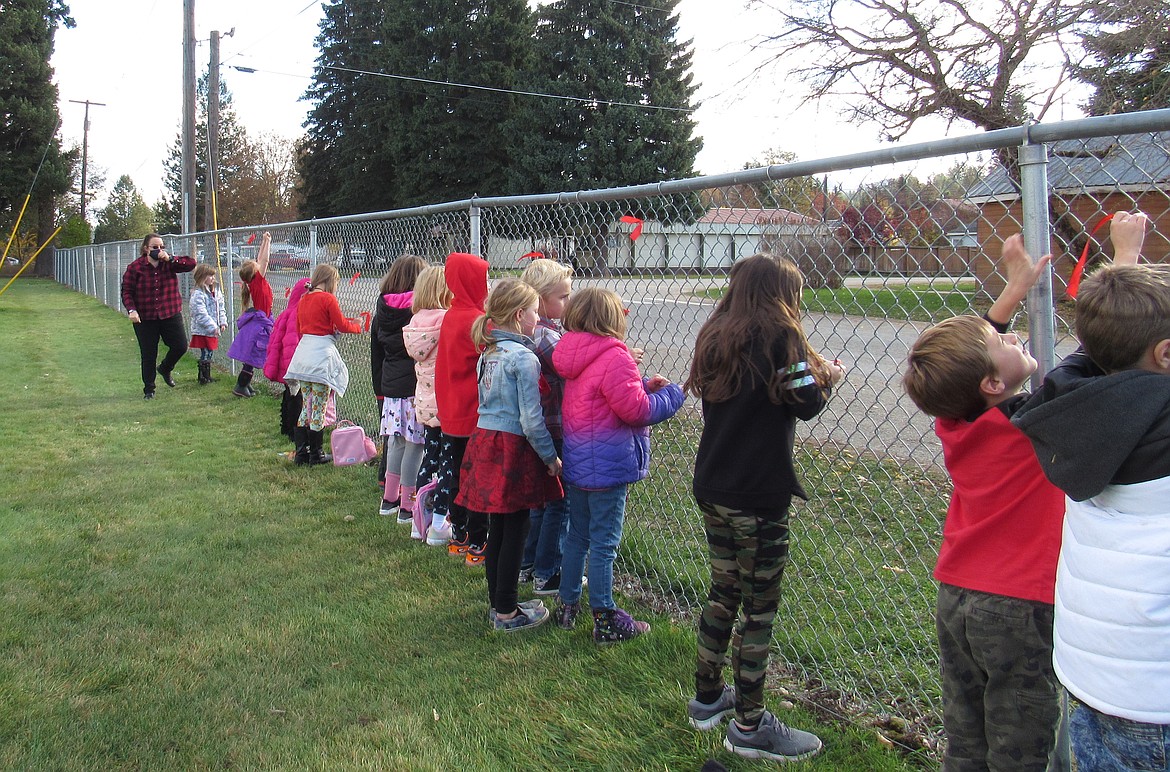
(541, 95)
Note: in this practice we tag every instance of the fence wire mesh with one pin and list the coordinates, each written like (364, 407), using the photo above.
(887, 247)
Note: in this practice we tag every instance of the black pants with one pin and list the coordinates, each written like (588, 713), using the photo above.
(505, 547)
(172, 334)
(290, 411)
(463, 520)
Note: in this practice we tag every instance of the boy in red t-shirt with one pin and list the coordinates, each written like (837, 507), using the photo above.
(997, 563)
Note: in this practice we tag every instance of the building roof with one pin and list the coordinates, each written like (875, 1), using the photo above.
(743, 216)
(1127, 161)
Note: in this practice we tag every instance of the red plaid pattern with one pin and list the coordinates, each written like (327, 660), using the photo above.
(153, 291)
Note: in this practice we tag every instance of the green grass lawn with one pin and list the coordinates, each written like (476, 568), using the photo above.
(176, 596)
(913, 303)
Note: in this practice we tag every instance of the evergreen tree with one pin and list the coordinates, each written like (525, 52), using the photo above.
(1129, 58)
(126, 216)
(380, 143)
(342, 160)
(28, 115)
(606, 52)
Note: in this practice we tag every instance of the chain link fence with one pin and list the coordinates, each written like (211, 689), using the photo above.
(890, 241)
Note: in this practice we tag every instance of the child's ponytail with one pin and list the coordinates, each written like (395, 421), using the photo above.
(245, 297)
(480, 335)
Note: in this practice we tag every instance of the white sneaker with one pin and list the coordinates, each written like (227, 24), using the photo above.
(439, 535)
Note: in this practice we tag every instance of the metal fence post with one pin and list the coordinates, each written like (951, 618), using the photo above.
(312, 247)
(1038, 241)
(1042, 331)
(476, 245)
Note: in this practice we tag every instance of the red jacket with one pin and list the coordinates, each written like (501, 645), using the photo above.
(455, 381)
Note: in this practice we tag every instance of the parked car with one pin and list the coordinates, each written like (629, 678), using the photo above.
(288, 261)
(353, 258)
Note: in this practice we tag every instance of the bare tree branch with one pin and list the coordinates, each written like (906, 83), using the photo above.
(992, 63)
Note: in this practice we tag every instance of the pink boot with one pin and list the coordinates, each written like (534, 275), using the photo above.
(390, 498)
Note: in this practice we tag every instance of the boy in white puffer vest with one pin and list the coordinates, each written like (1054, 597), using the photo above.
(1101, 429)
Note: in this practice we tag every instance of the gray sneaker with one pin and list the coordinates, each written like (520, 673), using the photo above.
(525, 605)
(704, 717)
(771, 740)
(525, 620)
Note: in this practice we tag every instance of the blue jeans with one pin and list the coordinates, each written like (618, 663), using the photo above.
(546, 535)
(595, 527)
(1103, 743)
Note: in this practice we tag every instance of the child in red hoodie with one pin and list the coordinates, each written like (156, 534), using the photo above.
(457, 395)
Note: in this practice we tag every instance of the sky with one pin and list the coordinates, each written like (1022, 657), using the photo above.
(131, 61)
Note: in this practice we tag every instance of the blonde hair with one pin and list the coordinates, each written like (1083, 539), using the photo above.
(202, 271)
(508, 297)
(946, 366)
(544, 275)
(1122, 311)
(431, 290)
(248, 270)
(325, 277)
(596, 310)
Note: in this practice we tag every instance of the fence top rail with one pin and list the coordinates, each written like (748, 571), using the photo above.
(1104, 125)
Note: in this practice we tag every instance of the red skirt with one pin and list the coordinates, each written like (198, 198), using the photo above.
(204, 341)
(502, 473)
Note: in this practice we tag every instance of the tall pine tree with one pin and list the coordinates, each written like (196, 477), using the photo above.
(28, 115)
(606, 52)
(343, 164)
(380, 143)
(1128, 59)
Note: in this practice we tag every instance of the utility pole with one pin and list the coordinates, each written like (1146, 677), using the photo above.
(213, 130)
(85, 152)
(188, 150)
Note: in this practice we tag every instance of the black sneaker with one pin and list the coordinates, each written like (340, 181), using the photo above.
(168, 379)
(148, 395)
(771, 740)
(549, 586)
(704, 717)
(566, 614)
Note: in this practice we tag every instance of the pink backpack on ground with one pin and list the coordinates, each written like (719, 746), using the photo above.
(350, 444)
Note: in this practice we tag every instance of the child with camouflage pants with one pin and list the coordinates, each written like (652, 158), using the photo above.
(757, 375)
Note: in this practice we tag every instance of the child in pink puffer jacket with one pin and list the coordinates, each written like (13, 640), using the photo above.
(607, 408)
(421, 336)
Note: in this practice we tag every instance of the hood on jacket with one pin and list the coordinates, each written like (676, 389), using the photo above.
(1094, 431)
(577, 350)
(399, 299)
(298, 291)
(466, 277)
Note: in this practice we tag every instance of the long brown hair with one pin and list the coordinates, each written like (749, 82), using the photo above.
(402, 275)
(760, 309)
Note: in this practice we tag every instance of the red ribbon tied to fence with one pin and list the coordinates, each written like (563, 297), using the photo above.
(531, 256)
(637, 223)
(353, 279)
(287, 292)
(1074, 282)
(365, 315)
(251, 238)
